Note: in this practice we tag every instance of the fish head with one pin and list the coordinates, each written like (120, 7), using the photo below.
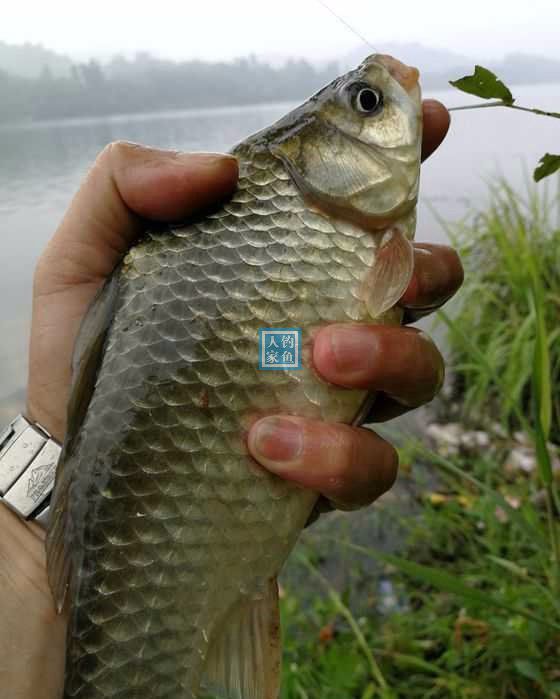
(353, 149)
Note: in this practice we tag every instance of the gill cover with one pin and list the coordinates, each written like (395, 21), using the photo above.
(360, 161)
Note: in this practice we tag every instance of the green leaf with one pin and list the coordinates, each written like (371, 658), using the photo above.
(529, 670)
(548, 164)
(483, 83)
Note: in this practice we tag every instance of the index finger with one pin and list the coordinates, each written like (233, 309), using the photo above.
(438, 274)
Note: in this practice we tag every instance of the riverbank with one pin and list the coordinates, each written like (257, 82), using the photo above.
(463, 609)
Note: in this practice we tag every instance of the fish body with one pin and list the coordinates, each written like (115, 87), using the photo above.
(166, 537)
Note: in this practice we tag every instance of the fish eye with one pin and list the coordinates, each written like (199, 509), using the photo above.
(367, 100)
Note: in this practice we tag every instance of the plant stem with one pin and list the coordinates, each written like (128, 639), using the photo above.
(535, 110)
(499, 103)
(436, 578)
(375, 670)
(551, 515)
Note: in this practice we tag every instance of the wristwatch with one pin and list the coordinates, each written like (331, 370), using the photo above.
(28, 460)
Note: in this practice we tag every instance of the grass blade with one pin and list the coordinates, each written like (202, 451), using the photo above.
(376, 673)
(449, 583)
(499, 500)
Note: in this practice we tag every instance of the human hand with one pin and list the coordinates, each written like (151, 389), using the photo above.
(127, 186)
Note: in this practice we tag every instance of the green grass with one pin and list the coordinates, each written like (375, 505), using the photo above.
(478, 577)
(493, 331)
(481, 617)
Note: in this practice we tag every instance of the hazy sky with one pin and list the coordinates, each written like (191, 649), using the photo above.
(215, 29)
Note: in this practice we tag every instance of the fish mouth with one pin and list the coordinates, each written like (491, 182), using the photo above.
(406, 76)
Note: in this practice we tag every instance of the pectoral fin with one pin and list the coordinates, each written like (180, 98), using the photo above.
(244, 658)
(391, 273)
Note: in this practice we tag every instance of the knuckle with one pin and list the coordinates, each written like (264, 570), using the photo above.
(119, 156)
(388, 341)
(342, 451)
(366, 467)
(406, 346)
(121, 148)
(42, 273)
(116, 152)
(107, 153)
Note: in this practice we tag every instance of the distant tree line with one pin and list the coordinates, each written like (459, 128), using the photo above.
(148, 84)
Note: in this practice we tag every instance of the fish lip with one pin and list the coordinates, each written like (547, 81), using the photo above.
(407, 76)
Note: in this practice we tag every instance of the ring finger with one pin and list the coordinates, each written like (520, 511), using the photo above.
(350, 466)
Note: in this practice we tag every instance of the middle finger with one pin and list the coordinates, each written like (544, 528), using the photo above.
(403, 363)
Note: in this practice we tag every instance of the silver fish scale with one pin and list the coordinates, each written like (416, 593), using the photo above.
(173, 524)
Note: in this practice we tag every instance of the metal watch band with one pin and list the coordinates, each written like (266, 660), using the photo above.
(28, 460)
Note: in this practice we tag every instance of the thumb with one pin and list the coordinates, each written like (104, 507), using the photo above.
(127, 185)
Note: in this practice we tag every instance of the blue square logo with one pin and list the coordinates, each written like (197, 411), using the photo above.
(280, 348)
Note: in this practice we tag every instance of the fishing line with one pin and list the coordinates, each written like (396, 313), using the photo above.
(375, 50)
(347, 25)
(371, 46)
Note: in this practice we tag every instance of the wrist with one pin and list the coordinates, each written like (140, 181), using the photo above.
(28, 461)
(36, 671)
(55, 426)
(32, 637)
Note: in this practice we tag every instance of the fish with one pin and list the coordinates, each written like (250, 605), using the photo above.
(166, 538)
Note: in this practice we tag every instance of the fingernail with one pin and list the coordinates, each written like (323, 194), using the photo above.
(278, 440)
(351, 348)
